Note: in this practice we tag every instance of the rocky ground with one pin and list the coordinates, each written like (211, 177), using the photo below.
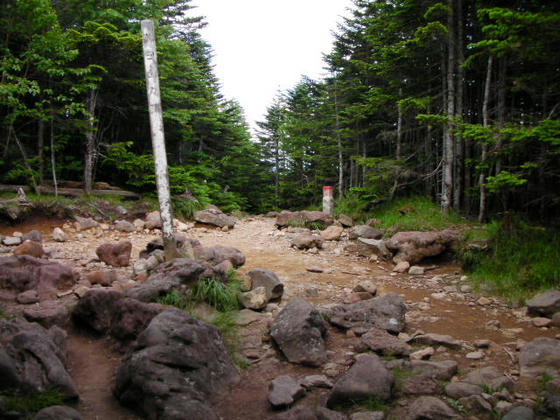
(447, 323)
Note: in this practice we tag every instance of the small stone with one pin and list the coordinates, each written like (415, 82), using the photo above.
(541, 322)
(366, 286)
(59, 235)
(423, 354)
(484, 301)
(482, 344)
(254, 299)
(28, 297)
(439, 296)
(401, 267)
(284, 390)
(465, 288)
(416, 270)
(12, 240)
(494, 324)
(314, 269)
(316, 381)
(475, 355)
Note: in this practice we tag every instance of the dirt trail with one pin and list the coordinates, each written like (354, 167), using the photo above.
(93, 363)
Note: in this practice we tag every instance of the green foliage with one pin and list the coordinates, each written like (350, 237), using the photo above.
(28, 403)
(177, 299)
(222, 296)
(414, 213)
(521, 260)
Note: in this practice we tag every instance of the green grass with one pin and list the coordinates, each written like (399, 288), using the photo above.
(222, 296)
(401, 375)
(415, 213)
(27, 403)
(520, 262)
(176, 299)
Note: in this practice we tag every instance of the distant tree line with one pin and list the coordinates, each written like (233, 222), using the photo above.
(458, 100)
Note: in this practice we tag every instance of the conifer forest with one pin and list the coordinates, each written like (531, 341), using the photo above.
(456, 100)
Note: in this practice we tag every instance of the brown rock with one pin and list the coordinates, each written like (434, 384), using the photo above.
(332, 233)
(32, 248)
(104, 278)
(116, 255)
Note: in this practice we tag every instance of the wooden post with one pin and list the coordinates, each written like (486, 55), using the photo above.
(328, 200)
(158, 141)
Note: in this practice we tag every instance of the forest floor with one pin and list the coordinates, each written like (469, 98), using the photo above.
(434, 305)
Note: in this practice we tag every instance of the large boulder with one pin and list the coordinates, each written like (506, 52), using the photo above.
(540, 356)
(332, 233)
(21, 273)
(386, 312)
(284, 391)
(267, 279)
(369, 247)
(317, 217)
(167, 277)
(153, 220)
(364, 231)
(299, 332)
(115, 255)
(33, 358)
(84, 223)
(367, 378)
(176, 363)
(218, 253)
(47, 313)
(415, 246)
(380, 341)
(214, 216)
(544, 304)
(108, 311)
(288, 218)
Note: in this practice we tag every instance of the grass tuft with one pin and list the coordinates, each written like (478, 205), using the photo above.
(27, 403)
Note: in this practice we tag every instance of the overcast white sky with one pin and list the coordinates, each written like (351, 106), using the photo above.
(262, 47)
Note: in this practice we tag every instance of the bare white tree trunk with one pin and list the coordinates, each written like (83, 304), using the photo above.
(484, 152)
(447, 182)
(158, 140)
(459, 142)
(53, 161)
(339, 145)
(91, 148)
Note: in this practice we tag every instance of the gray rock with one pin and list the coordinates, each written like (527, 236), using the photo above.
(366, 286)
(441, 370)
(84, 223)
(287, 218)
(316, 381)
(267, 279)
(368, 247)
(176, 363)
(307, 240)
(401, 267)
(12, 241)
(58, 412)
(476, 405)
(385, 312)
(59, 235)
(364, 231)
(380, 341)
(153, 220)
(254, 299)
(368, 377)
(311, 216)
(299, 332)
(415, 246)
(28, 297)
(539, 356)
(368, 415)
(430, 408)
(32, 235)
(332, 233)
(218, 253)
(324, 413)
(519, 413)
(489, 376)
(284, 390)
(167, 277)
(544, 304)
(416, 270)
(37, 355)
(458, 390)
(214, 216)
(345, 220)
(124, 226)
(431, 339)
(47, 313)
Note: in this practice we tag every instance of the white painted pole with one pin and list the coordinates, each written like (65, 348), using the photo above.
(158, 140)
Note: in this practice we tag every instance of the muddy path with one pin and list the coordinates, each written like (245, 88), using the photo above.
(435, 304)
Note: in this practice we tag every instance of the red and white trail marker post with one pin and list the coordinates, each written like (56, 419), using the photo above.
(158, 140)
(328, 200)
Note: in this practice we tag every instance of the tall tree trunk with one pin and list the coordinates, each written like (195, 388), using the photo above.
(40, 149)
(277, 171)
(399, 127)
(53, 161)
(339, 144)
(459, 144)
(484, 154)
(501, 109)
(91, 147)
(447, 182)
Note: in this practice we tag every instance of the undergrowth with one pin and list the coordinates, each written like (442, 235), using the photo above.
(26, 403)
(521, 260)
